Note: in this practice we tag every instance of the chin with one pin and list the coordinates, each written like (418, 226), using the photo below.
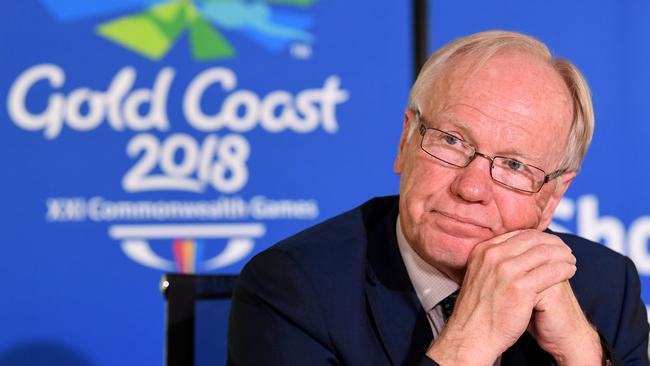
(448, 254)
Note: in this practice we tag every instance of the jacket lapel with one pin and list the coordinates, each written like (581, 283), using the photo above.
(400, 321)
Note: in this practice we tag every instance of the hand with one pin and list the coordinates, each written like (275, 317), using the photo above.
(505, 280)
(561, 328)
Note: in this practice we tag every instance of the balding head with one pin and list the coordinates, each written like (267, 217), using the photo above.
(476, 49)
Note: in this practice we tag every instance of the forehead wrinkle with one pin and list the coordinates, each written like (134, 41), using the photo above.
(506, 151)
(520, 88)
(496, 97)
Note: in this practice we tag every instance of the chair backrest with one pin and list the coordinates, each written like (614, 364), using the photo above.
(182, 291)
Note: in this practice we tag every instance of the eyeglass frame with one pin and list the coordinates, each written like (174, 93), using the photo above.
(423, 129)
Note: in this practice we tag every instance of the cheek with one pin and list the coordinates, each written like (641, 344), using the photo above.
(413, 194)
(422, 181)
(519, 212)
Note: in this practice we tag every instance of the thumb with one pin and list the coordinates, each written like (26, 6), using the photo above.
(503, 237)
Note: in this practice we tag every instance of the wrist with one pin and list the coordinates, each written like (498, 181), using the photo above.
(588, 350)
(449, 350)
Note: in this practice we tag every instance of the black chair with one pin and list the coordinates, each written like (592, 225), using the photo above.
(182, 291)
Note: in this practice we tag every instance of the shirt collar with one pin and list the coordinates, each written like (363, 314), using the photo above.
(431, 285)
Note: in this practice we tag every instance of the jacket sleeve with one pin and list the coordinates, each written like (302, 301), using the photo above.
(275, 316)
(426, 361)
(630, 344)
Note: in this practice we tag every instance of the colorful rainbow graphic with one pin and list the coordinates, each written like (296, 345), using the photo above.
(187, 254)
(152, 27)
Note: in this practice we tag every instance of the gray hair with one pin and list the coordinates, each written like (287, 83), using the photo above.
(481, 46)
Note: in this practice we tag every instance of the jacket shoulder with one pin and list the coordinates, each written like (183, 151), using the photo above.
(593, 257)
(340, 237)
(332, 252)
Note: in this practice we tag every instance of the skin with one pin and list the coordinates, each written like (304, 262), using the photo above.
(485, 236)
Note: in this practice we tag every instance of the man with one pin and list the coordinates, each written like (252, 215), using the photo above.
(494, 133)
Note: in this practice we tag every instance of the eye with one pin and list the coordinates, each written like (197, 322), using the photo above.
(514, 165)
(451, 140)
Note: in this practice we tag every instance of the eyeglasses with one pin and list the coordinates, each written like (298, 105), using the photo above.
(503, 170)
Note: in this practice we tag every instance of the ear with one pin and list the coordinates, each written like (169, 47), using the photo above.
(555, 198)
(403, 140)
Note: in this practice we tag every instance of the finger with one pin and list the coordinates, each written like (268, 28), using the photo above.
(515, 243)
(540, 255)
(501, 247)
(544, 277)
(531, 237)
(550, 296)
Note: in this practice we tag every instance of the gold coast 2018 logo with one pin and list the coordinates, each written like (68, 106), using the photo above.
(151, 28)
(210, 154)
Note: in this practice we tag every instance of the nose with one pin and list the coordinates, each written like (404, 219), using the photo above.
(474, 183)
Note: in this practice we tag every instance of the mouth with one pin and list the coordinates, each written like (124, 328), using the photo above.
(460, 224)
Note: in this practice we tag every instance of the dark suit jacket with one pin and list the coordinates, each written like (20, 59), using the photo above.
(339, 294)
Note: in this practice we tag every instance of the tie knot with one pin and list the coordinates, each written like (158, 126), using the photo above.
(448, 304)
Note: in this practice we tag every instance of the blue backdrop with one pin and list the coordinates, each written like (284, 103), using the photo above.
(146, 136)
(140, 137)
